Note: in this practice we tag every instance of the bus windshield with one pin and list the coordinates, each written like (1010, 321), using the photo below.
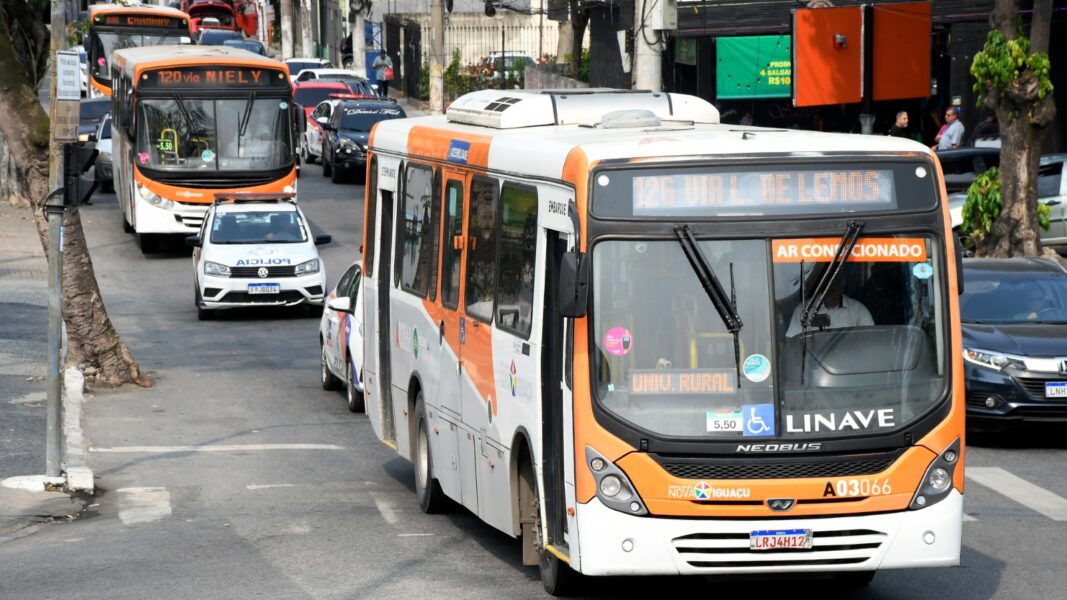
(871, 359)
(106, 42)
(203, 135)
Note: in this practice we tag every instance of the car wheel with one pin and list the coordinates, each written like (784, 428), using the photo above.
(337, 175)
(327, 168)
(432, 498)
(327, 379)
(353, 395)
(202, 314)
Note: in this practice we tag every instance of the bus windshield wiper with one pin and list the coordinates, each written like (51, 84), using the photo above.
(726, 307)
(247, 116)
(818, 295)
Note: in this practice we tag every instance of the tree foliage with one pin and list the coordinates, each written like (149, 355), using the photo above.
(1003, 62)
(984, 204)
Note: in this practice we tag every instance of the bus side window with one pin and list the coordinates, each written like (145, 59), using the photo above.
(482, 234)
(518, 255)
(370, 230)
(419, 257)
(450, 254)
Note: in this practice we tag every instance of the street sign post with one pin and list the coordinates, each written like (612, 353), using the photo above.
(67, 104)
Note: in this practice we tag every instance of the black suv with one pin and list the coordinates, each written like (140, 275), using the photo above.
(345, 135)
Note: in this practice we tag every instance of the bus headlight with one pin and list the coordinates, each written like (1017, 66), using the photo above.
(152, 198)
(613, 487)
(311, 266)
(937, 482)
(211, 268)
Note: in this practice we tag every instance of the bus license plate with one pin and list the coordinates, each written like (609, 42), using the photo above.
(1056, 389)
(781, 539)
(264, 288)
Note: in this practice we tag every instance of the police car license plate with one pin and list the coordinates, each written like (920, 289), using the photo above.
(1056, 389)
(264, 288)
(780, 539)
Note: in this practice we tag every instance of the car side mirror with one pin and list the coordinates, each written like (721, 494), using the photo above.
(323, 238)
(574, 285)
(192, 241)
(340, 304)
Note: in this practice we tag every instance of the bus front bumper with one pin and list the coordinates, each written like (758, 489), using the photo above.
(848, 543)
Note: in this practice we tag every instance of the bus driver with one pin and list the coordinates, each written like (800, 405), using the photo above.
(838, 310)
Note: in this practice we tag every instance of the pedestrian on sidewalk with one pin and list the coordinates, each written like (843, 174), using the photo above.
(952, 136)
(900, 127)
(383, 70)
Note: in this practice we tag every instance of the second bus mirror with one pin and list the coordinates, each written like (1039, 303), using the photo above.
(574, 285)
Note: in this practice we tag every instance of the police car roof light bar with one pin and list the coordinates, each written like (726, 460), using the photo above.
(235, 197)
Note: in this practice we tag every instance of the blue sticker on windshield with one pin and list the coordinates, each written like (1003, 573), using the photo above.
(759, 419)
(756, 368)
(283, 105)
(207, 156)
(923, 271)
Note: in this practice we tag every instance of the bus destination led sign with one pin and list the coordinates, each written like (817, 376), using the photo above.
(692, 193)
(144, 21)
(214, 77)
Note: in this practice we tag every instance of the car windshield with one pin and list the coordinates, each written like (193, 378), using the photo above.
(1017, 296)
(105, 130)
(215, 37)
(296, 66)
(362, 119)
(234, 134)
(258, 227)
(872, 358)
(306, 96)
(106, 42)
(245, 45)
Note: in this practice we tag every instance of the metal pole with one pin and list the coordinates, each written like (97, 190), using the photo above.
(648, 67)
(503, 60)
(437, 51)
(54, 433)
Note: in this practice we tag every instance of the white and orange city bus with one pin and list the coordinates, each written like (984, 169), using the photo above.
(114, 27)
(192, 122)
(648, 343)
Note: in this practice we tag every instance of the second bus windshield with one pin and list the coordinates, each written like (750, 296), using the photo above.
(233, 134)
(104, 44)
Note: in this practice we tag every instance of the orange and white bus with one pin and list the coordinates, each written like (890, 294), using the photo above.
(191, 122)
(114, 27)
(648, 343)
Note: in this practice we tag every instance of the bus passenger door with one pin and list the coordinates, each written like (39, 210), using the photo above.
(382, 323)
(458, 482)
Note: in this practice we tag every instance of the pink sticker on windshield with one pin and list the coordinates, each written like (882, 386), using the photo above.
(143, 158)
(100, 61)
(618, 341)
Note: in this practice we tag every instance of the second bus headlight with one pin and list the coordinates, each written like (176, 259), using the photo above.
(311, 266)
(152, 198)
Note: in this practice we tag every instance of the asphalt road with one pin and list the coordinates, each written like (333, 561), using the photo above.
(298, 499)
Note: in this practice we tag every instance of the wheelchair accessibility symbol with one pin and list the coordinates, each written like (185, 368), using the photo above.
(758, 420)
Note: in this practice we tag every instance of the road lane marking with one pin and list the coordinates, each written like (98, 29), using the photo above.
(267, 486)
(143, 504)
(1016, 488)
(213, 448)
(415, 535)
(385, 509)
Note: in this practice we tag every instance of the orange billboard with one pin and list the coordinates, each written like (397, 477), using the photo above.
(828, 56)
(901, 51)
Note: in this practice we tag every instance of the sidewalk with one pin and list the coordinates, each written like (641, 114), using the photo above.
(23, 372)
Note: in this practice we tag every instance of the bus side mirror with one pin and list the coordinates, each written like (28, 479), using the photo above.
(959, 261)
(574, 285)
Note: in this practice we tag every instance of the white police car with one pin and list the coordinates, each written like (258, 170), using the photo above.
(256, 250)
(341, 338)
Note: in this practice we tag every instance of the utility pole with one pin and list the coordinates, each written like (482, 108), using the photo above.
(287, 29)
(54, 433)
(647, 71)
(359, 42)
(307, 41)
(437, 45)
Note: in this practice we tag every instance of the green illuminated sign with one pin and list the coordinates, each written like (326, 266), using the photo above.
(754, 67)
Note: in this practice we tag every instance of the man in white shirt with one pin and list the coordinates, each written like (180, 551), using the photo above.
(953, 136)
(838, 310)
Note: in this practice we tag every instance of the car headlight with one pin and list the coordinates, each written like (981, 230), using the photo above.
(311, 266)
(212, 268)
(984, 358)
(152, 198)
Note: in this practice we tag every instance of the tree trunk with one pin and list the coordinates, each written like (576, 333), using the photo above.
(24, 151)
(287, 29)
(579, 21)
(1024, 120)
(307, 38)
(563, 45)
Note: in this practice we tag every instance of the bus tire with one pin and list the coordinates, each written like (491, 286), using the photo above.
(558, 578)
(328, 380)
(432, 498)
(353, 395)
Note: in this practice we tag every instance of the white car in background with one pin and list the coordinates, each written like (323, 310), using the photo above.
(341, 338)
(331, 74)
(311, 144)
(256, 250)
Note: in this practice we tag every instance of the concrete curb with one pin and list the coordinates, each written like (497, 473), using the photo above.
(79, 476)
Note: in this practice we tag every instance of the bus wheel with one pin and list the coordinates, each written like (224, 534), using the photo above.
(557, 576)
(353, 395)
(126, 227)
(326, 378)
(855, 579)
(431, 498)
